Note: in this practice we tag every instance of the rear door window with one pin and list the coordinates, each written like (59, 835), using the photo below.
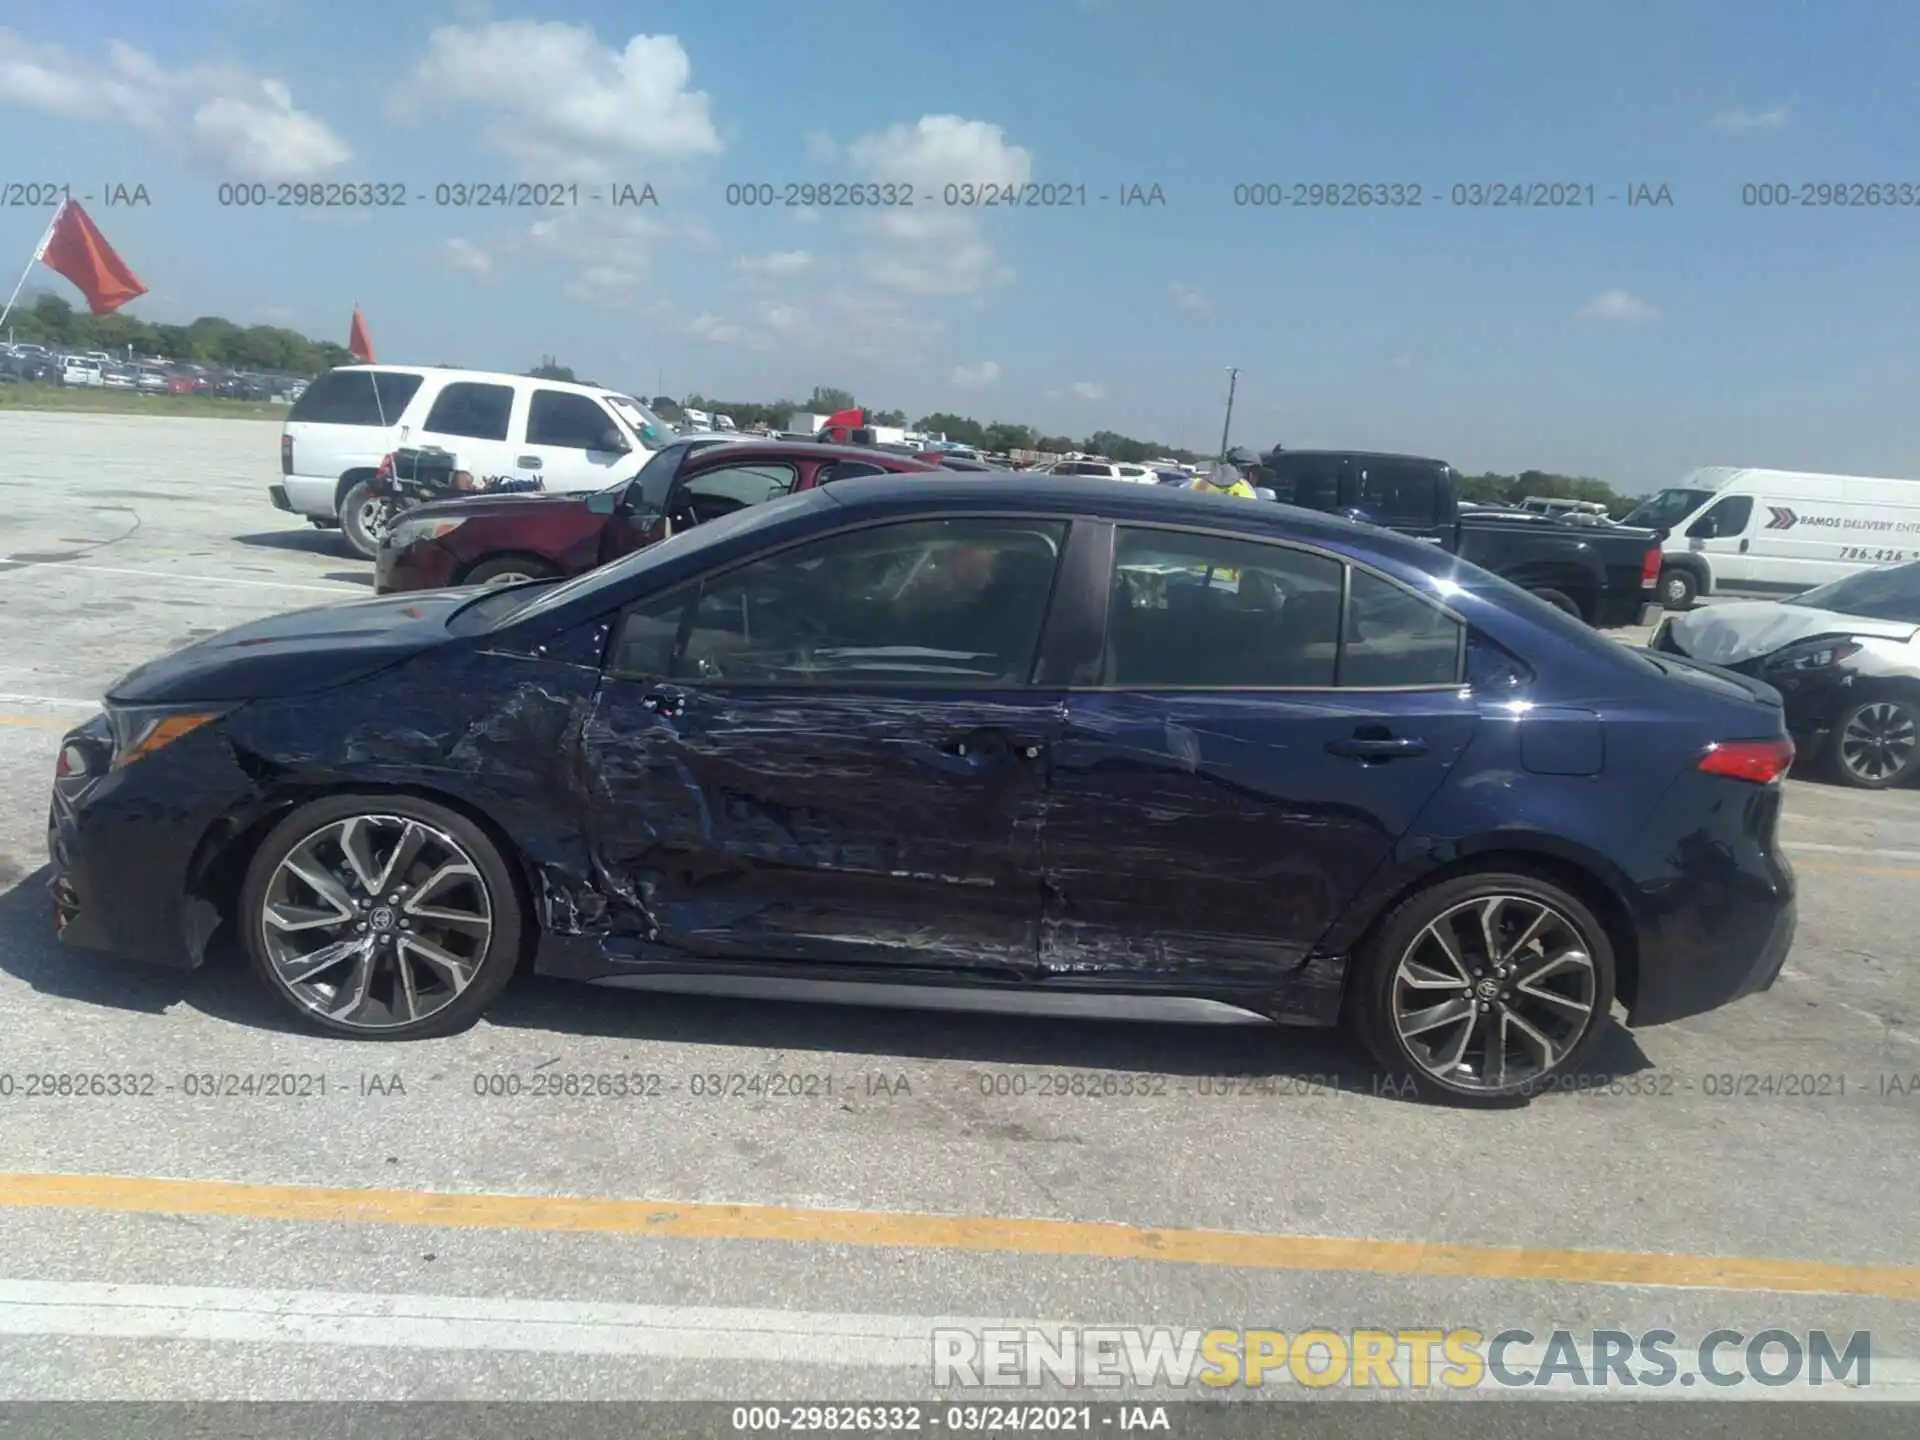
(356, 397)
(473, 410)
(1400, 492)
(1393, 637)
(1309, 481)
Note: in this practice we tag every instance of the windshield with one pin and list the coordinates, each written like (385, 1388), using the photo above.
(1889, 594)
(649, 426)
(1667, 509)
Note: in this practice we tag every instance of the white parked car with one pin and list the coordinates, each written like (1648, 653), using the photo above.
(1107, 470)
(567, 438)
(81, 370)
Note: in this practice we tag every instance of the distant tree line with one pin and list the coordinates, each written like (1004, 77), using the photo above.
(49, 320)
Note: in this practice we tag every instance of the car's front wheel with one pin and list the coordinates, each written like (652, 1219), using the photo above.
(382, 917)
(1677, 589)
(1484, 989)
(1876, 743)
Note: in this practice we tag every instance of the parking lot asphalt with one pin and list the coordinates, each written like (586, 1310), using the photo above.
(1693, 1187)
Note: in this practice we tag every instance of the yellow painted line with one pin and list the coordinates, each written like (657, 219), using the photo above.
(37, 722)
(1820, 868)
(705, 1220)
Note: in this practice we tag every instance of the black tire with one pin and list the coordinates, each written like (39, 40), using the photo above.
(492, 964)
(506, 567)
(1402, 935)
(1677, 588)
(357, 523)
(1562, 602)
(1854, 757)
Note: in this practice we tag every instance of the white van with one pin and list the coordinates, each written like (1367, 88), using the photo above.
(82, 370)
(498, 426)
(1733, 531)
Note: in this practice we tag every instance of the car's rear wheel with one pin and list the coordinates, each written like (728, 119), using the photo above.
(364, 518)
(382, 917)
(1876, 744)
(510, 570)
(1485, 988)
(1677, 589)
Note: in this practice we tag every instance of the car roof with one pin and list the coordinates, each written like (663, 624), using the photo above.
(737, 450)
(1359, 455)
(488, 377)
(1120, 500)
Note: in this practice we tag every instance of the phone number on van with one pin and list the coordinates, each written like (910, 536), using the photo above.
(1857, 552)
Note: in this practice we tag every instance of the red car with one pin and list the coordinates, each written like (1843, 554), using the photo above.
(502, 539)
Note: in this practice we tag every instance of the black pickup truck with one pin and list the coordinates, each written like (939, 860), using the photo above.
(1605, 574)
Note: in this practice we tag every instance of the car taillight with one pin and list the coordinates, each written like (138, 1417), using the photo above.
(286, 454)
(1760, 761)
(1650, 569)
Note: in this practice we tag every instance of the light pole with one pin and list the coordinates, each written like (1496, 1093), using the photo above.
(1233, 383)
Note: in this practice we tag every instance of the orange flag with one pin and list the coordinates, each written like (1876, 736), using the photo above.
(359, 343)
(75, 248)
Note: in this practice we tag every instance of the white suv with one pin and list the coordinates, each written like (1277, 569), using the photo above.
(566, 437)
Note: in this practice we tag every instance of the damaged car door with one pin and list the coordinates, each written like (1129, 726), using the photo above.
(832, 754)
(1268, 724)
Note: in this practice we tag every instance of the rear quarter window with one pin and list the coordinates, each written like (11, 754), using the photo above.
(355, 397)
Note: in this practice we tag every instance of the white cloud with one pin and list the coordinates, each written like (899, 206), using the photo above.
(461, 254)
(930, 249)
(612, 252)
(975, 377)
(1744, 122)
(713, 328)
(1618, 305)
(564, 106)
(779, 263)
(1087, 390)
(1189, 301)
(218, 116)
(782, 318)
(821, 147)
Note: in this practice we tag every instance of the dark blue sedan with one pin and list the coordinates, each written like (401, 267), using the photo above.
(963, 743)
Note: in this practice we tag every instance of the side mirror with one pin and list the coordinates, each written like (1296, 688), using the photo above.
(1705, 528)
(605, 502)
(614, 442)
(1356, 515)
(1264, 493)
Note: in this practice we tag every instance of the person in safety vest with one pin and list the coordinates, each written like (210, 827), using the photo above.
(1226, 477)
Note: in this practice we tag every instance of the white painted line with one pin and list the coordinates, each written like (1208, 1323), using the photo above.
(341, 589)
(61, 702)
(1874, 851)
(205, 1314)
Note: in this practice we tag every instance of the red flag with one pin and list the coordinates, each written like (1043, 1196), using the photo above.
(75, 248)
(851, 419)
(359, 343)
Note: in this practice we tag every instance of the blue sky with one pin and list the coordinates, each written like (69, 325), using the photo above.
(1630, 343)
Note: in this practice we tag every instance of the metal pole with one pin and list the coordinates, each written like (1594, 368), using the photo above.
(38, 251)
(1233, 383)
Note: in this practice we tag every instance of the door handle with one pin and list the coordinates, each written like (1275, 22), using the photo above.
(993, 744)
(1743, 546)
(666, 702)
(528, 462)
(1376, 747)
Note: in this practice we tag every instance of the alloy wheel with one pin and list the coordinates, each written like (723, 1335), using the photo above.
(375, 517)
(1494, 992)
(1878, 741)
(507, 577)
(376, 921)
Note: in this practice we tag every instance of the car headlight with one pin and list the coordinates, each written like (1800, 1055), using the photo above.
(412, 532)
(1817, 655)
(139, 730)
